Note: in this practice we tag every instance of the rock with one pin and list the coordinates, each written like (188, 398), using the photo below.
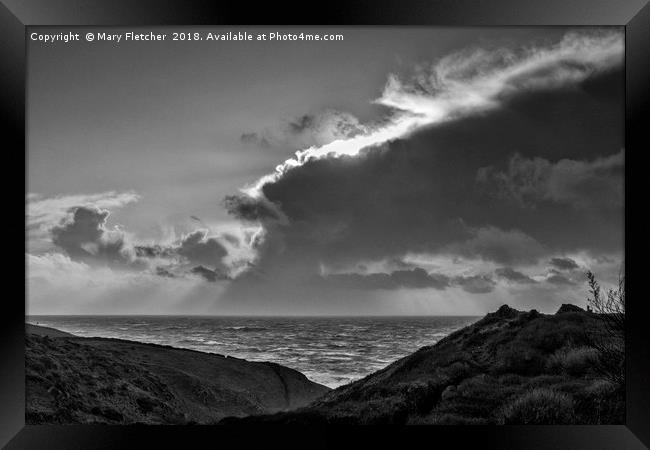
(505, 312)
(568, 307)
(532, 314)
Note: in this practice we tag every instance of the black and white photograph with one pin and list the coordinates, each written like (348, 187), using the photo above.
(238, 225)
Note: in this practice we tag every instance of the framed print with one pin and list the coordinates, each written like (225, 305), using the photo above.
(359, 225)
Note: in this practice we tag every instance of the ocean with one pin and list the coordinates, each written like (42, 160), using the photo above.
(329, 350)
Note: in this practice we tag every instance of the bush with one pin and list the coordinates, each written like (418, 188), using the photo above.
(521, 361)
(610, 309)
(454, 419)
(602, 402)
(600, 388)
(511, 379)
(457, 371)
(540, 406)
(574, 361)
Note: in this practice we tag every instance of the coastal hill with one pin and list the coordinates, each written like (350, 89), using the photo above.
(96, 380)
(45, 331)
(511, 367)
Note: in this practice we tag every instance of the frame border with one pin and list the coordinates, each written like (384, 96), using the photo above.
(634, 15)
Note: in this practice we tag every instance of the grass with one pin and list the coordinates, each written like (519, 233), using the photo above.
(508, 368)
(540, 406)
(573, 360)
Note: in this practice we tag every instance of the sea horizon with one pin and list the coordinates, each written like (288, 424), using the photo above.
(262, 315)
(330, 350)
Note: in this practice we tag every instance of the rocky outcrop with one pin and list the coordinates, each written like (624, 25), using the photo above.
(568, 307)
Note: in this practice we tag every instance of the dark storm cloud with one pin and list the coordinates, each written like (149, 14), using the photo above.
(153, 251)
(509, 274)
(558, 278)
(84, 237)
(415, 278)
(198, 248)
(503, 247)
(250, 209)
(475, 284)
(208, 274)
(400, 263)
(406, 189)
(421, 194)
(589, 184)
(162, 272)
(564, 263)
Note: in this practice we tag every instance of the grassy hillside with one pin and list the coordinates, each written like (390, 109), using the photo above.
(45, 331)
(94, 380)
(510, 367)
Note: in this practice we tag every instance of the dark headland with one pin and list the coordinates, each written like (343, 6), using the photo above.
(509, 367)
(96, 380)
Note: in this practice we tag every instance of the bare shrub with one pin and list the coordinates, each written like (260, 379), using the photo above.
(609, 341)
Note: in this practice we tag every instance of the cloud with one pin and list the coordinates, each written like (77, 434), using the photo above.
(418, 193)
(564, 272)
(52, 209)
(511, 275)
(43, 213)
(557, 278)
(414, 278)
(408, 184)
(470, 82)
(56, 284)
(198, 248)
(595, 184)
(232, 239)
(564, 263)
(477, 78)
(326, 126)
(206, 255)
(475, 284)
(82, 233)
(253, 138)
(401, 188)
(162, 272)
(85, 237)
(153, 251)
(208, 274)
(308, 130)
(251, 209)
(504, 247)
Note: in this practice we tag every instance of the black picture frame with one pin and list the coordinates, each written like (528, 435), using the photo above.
(17, 15)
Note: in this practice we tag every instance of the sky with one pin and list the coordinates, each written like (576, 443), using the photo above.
(437, 171)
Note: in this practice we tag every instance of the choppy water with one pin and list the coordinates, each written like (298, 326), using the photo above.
(328, 350)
